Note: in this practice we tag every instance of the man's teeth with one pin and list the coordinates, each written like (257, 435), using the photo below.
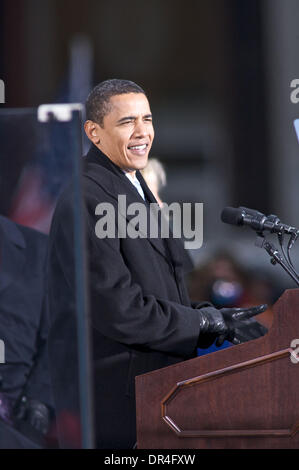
(138, 147)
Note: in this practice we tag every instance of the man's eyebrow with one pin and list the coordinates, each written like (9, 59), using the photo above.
(132, 118)
(126, 118)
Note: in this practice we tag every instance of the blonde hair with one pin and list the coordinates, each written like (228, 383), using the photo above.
(154, 174)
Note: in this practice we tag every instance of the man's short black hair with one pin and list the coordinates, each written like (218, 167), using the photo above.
(98, 105)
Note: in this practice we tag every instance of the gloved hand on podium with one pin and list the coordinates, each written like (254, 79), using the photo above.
(232, 324)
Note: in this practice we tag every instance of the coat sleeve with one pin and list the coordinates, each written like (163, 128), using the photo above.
(119, 308)
(38, 385)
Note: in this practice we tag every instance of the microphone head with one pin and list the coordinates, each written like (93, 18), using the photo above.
(232, 216)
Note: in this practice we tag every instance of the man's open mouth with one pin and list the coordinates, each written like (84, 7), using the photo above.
(138, 147)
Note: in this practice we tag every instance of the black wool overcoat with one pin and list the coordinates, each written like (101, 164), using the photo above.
(141, 314)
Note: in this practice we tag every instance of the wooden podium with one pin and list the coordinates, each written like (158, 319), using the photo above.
(246, 396)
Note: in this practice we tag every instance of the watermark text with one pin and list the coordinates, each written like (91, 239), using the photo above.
(183, 221)
(295, 353)
(2, 92)
(295, 93)
(2, 352)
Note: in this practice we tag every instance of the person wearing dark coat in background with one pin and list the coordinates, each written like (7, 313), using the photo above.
(141, 315)
(26, 401)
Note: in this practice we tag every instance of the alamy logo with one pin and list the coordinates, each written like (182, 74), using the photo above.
(2, 92)
(2, 352)
(295, 93)
(135, 221)
(295, 352)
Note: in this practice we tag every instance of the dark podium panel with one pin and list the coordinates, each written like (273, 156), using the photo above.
(246, 396)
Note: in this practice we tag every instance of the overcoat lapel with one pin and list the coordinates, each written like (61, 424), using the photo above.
(102, 171)
(170, 242)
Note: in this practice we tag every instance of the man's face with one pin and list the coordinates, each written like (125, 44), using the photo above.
(127, 133)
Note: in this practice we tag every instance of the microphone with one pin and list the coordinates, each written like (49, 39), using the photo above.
(256, 220)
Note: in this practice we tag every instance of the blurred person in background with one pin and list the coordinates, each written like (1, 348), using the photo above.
(226, 283)
(26, 403)
(155, 177)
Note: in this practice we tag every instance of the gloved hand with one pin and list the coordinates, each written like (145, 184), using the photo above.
(233, 324)
(35, 413)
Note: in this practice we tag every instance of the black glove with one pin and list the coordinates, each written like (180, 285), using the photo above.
(233, 324)
(35, 413)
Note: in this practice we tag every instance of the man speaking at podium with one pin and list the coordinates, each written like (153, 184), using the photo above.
(141, 315)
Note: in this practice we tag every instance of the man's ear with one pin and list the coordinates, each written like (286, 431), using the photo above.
(92, 131)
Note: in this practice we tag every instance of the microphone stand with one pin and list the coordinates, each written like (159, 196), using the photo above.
(275, 256)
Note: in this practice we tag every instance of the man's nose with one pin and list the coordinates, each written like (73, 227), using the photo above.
(140, 129)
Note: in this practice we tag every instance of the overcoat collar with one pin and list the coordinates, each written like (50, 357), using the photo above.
(12, 252)
(112, 179)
